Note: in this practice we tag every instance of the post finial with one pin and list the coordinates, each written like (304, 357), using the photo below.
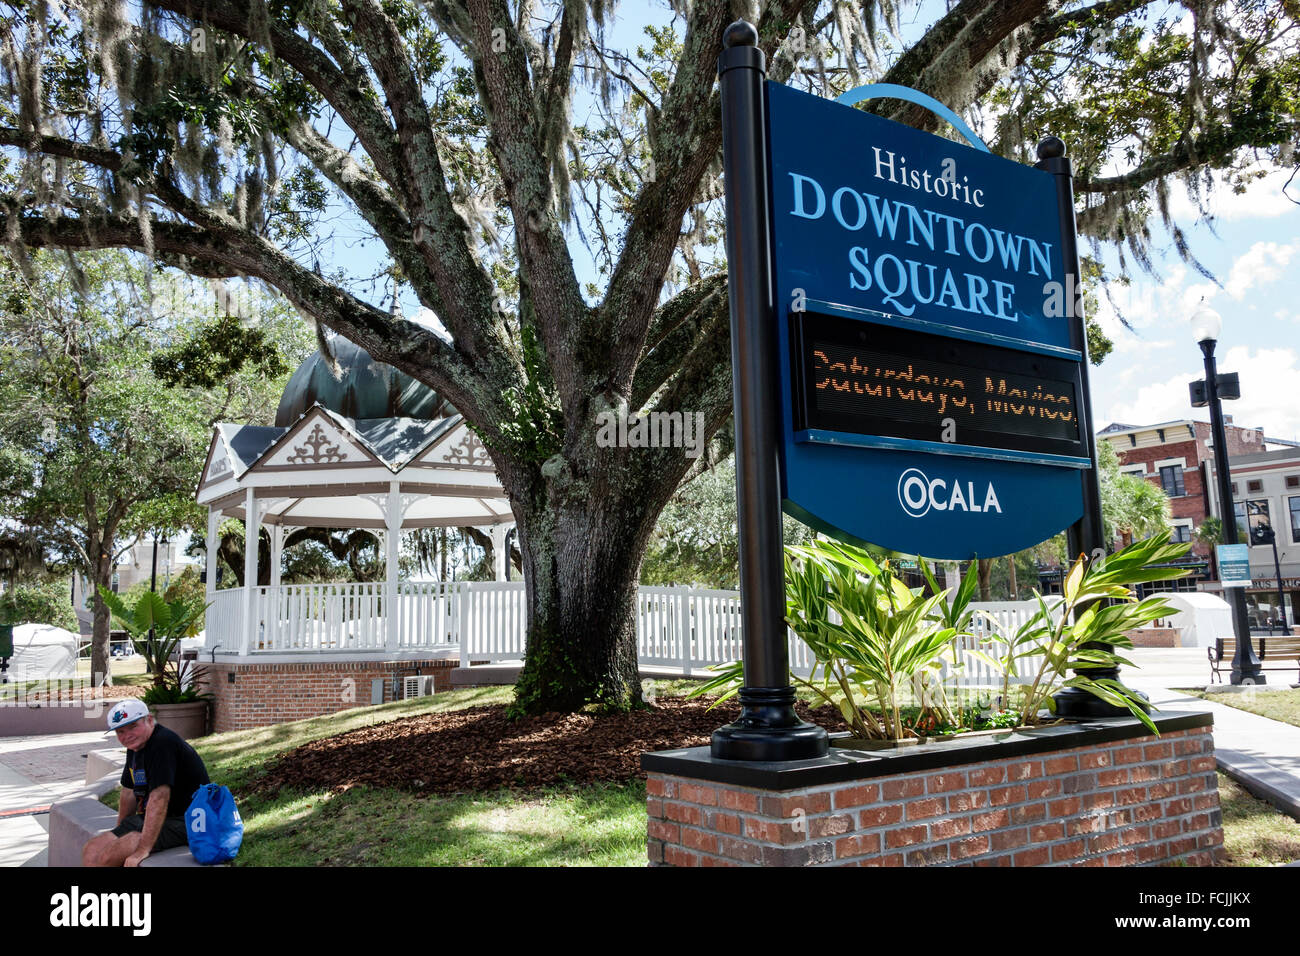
(740, 33)
(1051, 147)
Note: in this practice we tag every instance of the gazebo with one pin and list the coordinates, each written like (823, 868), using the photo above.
(367, 448)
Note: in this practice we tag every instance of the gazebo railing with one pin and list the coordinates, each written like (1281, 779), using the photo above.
(687, 629)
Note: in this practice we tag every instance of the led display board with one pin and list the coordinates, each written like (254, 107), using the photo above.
(860, 379)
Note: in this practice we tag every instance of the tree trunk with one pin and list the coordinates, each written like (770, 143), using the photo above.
(582, 562)
(985, 573)
(1011, 567)
(101, 575)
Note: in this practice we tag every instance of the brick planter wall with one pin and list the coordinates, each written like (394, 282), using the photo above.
(1156, 636)
(265, 693)
(1140, 800)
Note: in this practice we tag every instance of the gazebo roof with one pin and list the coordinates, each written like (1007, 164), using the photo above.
(363, 390)
(327, 469)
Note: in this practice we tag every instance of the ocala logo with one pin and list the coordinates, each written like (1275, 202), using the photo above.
(918, 494)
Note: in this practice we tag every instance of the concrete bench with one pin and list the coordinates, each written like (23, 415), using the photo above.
(80, 816)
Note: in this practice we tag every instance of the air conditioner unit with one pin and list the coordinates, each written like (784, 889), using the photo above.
(417, 685)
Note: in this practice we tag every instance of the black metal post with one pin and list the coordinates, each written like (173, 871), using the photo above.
(153, 580)
(1277, 569)
(768, 728)
(1245, 665)
(1087, 536)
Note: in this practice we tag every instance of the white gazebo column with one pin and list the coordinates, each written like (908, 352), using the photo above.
(499, 554)
(251, 538)
(214, 525)
(273, 608)
(277, 552)
(392, 542)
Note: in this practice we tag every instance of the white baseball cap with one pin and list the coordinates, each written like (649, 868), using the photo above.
(126, 712)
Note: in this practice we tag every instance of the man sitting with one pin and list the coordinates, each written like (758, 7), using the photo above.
(161, 775)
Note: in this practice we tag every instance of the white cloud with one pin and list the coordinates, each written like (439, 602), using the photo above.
(1263, 198)
(1261, 263)
(1270, 380)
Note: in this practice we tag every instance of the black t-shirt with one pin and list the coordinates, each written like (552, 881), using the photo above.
(164, 760)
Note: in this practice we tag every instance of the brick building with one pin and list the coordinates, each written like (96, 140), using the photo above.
(1178, 457)
(1266, 492)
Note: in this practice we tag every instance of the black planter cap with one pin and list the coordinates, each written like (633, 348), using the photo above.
(844, 766)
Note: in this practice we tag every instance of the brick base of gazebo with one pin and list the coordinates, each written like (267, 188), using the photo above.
(257, 693)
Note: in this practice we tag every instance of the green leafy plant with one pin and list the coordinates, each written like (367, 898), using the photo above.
(1087, 630)
(872, 636)
(156, 628)
(874, 641)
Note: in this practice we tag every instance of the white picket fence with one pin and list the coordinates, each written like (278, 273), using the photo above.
(685, 629)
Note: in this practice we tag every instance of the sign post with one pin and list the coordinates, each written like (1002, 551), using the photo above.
(1087, 535)
(768, 728)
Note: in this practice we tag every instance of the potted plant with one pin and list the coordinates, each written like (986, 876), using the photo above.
(156, 628)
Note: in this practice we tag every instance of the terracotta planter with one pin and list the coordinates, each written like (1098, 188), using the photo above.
(187, 720)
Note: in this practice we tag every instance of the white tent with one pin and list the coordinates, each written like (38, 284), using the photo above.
(1202, 616)
(41, 652)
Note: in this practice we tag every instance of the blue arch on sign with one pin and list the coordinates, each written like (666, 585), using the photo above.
(877, 91)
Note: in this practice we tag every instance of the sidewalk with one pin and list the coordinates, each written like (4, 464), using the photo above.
(34, 773)
(1262, 754)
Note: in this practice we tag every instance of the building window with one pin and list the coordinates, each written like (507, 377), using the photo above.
(1161, 433)
(1293, 481)
(1133, 441)
(1182, 532)
(1295, 518)
(1234, 489)
(1171, 479)
(1255, 484)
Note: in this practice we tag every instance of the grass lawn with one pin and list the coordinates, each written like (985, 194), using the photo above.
(1254, 832)
(600, 825)
(575, 826)
(1283, 705)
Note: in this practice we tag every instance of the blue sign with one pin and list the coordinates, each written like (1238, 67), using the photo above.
(930, 396)
(1234, 565)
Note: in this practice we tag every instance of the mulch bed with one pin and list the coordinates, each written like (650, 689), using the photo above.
(480, 749)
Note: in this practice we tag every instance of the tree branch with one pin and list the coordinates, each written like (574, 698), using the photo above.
(401, 343)
(518, 146)
(349, 93)
(443, 240)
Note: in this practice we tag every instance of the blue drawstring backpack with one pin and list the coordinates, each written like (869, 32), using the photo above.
(214, 826)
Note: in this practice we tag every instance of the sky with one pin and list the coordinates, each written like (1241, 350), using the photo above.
(1253, 250)
(1250, 244)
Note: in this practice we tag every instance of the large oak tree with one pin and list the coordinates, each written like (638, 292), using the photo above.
(199, 132)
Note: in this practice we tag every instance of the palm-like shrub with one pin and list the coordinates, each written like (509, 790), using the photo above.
(156, 628)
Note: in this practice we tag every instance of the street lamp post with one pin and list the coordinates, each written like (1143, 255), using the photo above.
(1206, 325)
